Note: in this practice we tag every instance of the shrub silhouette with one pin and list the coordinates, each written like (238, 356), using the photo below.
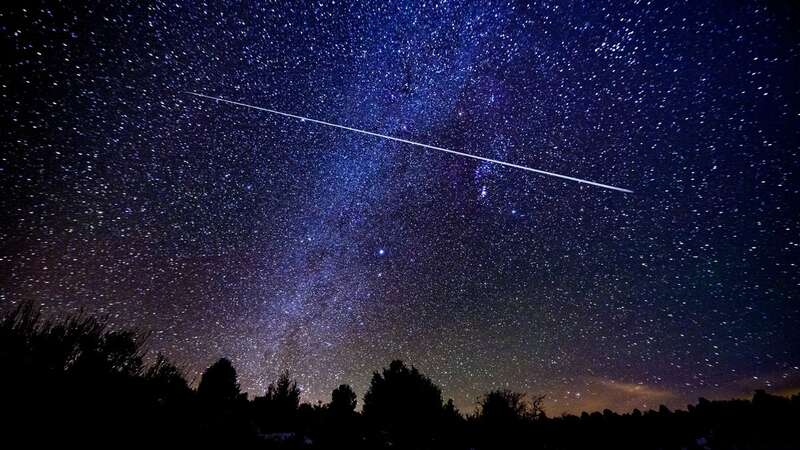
(506, 418)
(166, 378)
(505, 407)
(81, 381)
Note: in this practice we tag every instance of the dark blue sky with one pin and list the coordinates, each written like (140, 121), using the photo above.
(286, 245)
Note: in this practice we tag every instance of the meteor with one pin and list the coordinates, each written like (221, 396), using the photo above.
(418, 144)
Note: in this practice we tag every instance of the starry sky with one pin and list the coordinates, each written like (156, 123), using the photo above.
(286, 245)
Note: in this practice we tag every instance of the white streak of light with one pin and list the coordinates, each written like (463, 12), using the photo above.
(418, 144)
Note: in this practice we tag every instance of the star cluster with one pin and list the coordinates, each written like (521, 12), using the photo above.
(286, 245)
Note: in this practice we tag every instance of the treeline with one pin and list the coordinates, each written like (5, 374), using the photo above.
(78, 382)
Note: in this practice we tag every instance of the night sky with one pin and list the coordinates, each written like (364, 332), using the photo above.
(287, 245)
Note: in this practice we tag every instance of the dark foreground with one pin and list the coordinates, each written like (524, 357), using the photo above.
(78, 382)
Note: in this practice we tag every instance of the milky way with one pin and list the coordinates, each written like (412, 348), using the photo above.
(229, 232)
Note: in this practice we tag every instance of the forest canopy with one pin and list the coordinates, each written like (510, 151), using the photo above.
(78, 381)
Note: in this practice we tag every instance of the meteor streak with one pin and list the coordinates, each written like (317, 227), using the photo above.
(418, 144)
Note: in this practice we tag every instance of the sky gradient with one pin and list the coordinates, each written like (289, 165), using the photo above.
(287, 245)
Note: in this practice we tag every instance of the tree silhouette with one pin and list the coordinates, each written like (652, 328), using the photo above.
(284, 393)
(343, 401)
(403, 404)
(224, 410)
(219, 382)
(75, 382)
(277, 409)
